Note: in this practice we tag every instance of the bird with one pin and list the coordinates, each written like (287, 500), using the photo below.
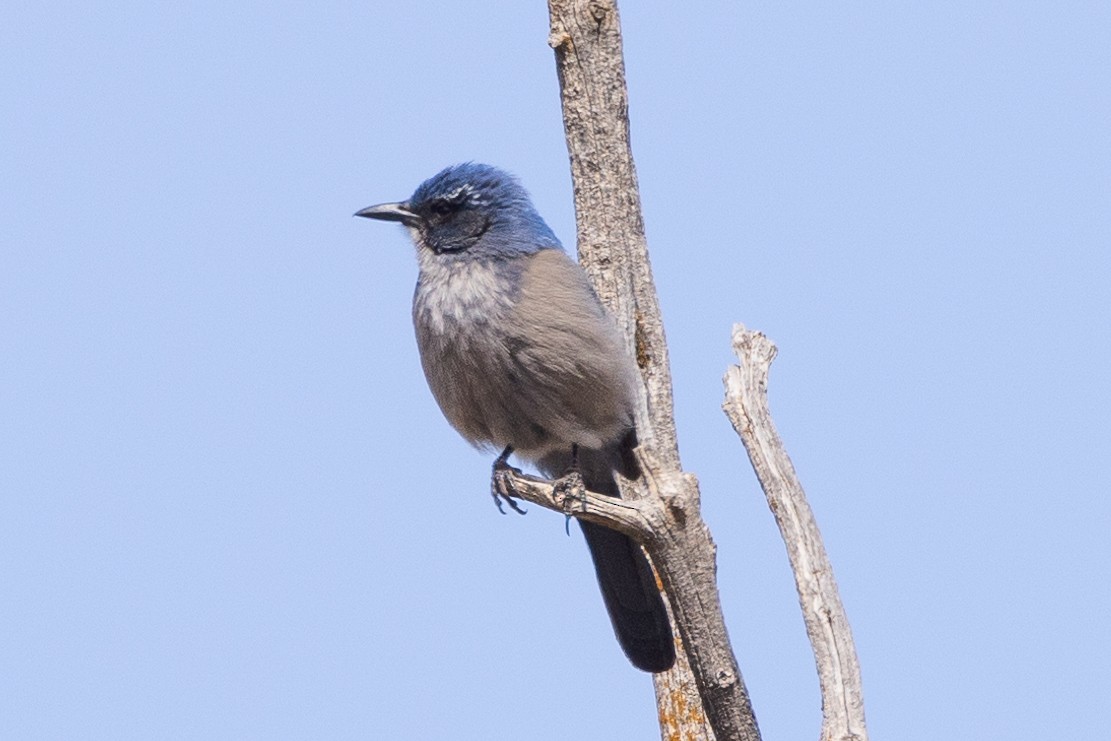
(521, 357)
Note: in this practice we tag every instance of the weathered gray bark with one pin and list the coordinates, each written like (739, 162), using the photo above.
(746, 404)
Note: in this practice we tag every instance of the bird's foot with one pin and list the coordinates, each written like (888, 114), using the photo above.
(568, 488)
(501, 483)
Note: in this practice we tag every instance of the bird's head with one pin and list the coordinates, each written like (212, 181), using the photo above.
(471, 210)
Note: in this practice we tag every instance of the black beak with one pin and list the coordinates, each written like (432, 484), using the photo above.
(391, 212)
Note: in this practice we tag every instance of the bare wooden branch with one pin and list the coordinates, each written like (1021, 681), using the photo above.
(569, 496)
(746, 404)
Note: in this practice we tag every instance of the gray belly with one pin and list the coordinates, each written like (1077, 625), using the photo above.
(482, 392)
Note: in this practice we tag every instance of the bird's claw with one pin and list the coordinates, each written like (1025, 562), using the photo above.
(502, 487)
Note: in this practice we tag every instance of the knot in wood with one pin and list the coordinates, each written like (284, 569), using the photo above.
(559, 38)
(726, 678)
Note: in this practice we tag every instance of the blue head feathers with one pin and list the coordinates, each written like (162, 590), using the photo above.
(471, 209)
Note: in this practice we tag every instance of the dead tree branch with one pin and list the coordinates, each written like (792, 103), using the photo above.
(746, 404)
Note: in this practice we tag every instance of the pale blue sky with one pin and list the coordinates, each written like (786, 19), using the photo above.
(230, 509)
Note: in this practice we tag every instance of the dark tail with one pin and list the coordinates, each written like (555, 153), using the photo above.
(633, 600)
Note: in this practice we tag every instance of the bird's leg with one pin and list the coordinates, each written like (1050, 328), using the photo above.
(501, 482)
(571, 482)
(572, 469)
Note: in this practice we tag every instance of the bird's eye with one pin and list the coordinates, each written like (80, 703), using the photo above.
(442, 208)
